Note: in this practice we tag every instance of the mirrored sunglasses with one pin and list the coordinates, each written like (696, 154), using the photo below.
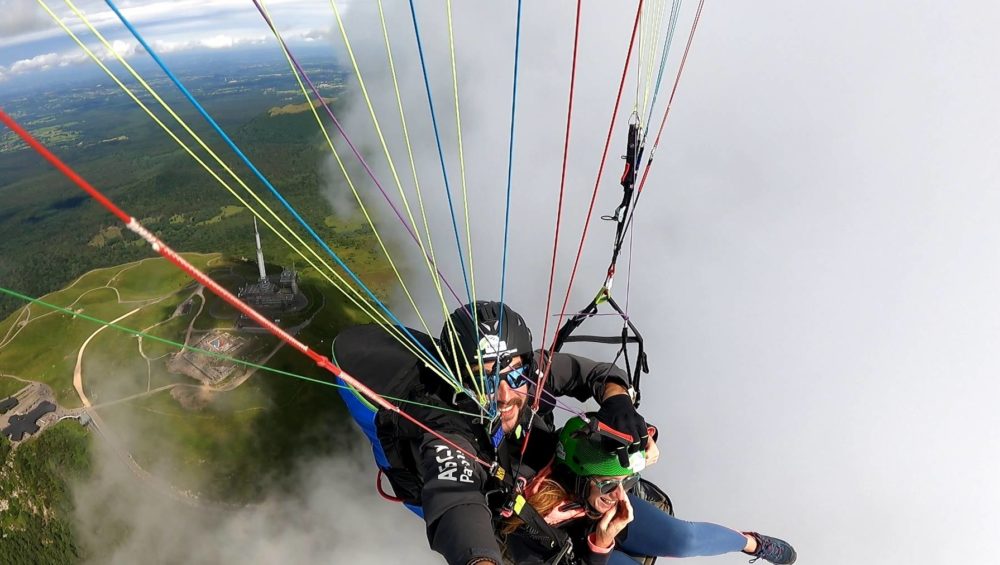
(515, 378)
(607, 486)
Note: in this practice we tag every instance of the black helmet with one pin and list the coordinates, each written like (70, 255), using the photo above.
(502, 335)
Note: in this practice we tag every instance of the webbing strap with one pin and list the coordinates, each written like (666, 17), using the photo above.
(622, 216)
(382, 492)
(630, 335)
(555, 537)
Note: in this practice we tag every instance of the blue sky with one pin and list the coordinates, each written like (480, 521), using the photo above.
(32, 42)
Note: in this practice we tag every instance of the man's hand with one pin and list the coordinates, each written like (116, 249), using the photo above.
(618, 412)
(652, 452)
(612, 523)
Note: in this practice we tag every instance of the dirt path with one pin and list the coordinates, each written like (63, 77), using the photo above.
(78, 370)
(98, 425)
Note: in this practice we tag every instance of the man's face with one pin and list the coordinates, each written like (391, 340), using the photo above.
(510, 400)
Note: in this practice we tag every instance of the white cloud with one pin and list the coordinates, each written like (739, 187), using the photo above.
(38, 62)
(218, 42)
(31, 24)
(124, 48)
(49, 61)
(128, 49)
(20, 17)
(223, 41)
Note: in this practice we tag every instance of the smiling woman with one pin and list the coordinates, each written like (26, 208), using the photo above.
(587, 492)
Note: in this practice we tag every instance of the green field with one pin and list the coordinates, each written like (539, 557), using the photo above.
(45, 349)
(59, 245)
(170, 330)
(9, 386)
(50, 232)
(226, 445)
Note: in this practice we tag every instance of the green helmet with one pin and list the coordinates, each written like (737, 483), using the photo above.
(585, 456)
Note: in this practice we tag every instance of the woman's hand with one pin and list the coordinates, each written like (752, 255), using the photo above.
(613, 522)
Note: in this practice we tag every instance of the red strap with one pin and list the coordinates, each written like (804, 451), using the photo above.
(628, 167)
(381, 491)
(608, 430)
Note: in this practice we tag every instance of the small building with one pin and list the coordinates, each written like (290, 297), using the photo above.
(7, 403)
(27, 424)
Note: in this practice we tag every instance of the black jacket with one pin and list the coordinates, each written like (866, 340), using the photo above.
(453, 489)
(528, 546)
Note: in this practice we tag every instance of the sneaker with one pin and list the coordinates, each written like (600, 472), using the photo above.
(777, 551)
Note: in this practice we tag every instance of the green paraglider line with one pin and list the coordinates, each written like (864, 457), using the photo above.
(209, 283)
(184, 347)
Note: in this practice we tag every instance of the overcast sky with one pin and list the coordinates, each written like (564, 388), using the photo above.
(30, 42)
(816, 257)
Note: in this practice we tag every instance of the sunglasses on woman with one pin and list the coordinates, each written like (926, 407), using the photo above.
(608, 486)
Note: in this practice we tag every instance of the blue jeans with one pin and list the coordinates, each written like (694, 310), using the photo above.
(654, 532)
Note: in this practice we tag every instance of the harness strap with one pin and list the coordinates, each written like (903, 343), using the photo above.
(630, 335)
(549, 535)
(382, 492)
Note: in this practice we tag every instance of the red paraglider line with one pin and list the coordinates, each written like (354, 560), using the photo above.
(562, 183)
(607, 143)
(213, 286)
(593, 198)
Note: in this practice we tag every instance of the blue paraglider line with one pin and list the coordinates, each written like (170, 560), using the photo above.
(267, 183)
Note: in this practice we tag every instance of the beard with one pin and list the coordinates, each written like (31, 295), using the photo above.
(511, 412)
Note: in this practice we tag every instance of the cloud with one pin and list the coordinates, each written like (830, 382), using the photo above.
(814, 250)
(21, 17)
(29, 23)
(46, 62)
(324, 511)
(127, 48)
(182, 24)
(218, 42)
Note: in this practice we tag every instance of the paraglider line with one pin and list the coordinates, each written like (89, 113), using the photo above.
(597, 183)
(667, 42)
(213, 354)
(437, 139)
(670, 102)
(510, 168)
(164, 250)
(428, 252)
(371, 174)
(562, 180)
(260, 176)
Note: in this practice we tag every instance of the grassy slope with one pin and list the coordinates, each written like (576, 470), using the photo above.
(9, 386)
(46, 348)
(241, 441)
(233, 447)
(245, 440)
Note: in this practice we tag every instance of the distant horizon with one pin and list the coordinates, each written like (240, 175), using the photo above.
(82, 75)
(31, 42)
